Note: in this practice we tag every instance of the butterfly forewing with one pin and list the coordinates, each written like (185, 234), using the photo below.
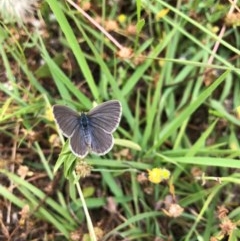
(106, 116)
(66, 119)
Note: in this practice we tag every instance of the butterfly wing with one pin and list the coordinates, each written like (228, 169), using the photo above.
(78, 143)
(66, 119)
(106, 116)
(101, 142)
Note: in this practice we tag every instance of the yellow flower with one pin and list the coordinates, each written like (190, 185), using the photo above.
(49, 114)
(165, 174)
(162, 13)
(122, 18)
(156, 175)
(238, 112)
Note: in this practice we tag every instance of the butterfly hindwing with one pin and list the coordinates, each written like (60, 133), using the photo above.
(101, 142)
(78, 143)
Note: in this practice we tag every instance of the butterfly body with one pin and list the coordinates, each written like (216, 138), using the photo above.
(92, 131)
(84, 124)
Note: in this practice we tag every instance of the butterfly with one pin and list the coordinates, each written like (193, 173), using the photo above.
(91, 131)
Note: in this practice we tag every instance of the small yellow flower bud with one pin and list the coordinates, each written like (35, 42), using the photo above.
(122, 18)
(156, 175)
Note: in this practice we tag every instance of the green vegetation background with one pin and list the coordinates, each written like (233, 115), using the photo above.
(180, 112)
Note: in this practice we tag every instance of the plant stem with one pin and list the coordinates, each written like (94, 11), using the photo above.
(89, 220)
